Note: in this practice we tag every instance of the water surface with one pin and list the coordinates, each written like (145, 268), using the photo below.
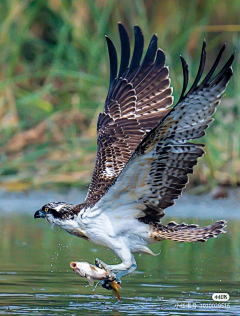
(35, 277)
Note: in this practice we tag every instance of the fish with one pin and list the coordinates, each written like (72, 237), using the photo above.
(91, 272)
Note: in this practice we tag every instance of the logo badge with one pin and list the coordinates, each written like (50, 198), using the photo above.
(220, 297)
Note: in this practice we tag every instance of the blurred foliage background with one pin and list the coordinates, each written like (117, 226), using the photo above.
(54, 73)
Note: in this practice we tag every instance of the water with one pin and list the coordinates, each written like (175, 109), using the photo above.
(35, 277)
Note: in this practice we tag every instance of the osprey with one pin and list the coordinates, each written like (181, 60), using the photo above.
(144, 154)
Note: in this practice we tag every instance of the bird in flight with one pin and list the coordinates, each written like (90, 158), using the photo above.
(144, 154)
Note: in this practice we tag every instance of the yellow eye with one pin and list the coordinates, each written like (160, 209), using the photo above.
(46, 209)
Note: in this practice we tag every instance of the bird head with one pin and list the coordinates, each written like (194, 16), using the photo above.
(55, 211)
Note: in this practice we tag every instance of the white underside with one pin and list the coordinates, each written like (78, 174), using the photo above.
(124, 233)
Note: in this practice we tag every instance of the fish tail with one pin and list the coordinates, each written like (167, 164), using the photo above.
(115, 286)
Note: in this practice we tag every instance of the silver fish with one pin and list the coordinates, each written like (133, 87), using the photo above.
(89, 271)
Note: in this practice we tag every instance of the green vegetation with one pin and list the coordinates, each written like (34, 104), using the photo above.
(54, 79)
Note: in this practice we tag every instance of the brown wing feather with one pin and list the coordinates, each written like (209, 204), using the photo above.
(174, 157)
(138, 99)
(158, 170)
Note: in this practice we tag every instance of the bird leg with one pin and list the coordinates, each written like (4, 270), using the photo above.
(102, 265)
(121, 274)
(112, 276)
(106, 284)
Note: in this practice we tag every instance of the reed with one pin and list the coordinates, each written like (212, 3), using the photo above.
(54, 79)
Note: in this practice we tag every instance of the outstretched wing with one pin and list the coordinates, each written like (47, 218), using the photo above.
(138, 98)
(158, 170)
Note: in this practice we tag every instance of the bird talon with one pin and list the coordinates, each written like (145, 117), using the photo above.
(101, 265)
(106, 284)
(111, 277)
(98, 263)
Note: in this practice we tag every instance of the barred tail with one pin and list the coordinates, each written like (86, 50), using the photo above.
(188, 233)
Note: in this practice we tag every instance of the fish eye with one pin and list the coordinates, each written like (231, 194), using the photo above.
(46, 209)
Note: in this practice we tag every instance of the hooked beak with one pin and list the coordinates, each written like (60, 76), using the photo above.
(39, 214)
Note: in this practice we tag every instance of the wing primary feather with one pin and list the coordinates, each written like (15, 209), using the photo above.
(209, 75)
(225, 78)
(113, 60)
(160, 59)
(200, 69)
(125, 49)
(151, 52)
(148, 61)
(185, 77)
(223, 71)
(138, 49)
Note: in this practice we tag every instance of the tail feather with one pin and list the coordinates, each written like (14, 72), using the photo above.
(188, 233)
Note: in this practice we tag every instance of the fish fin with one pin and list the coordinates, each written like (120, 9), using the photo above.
(90, 280)
(93, 268)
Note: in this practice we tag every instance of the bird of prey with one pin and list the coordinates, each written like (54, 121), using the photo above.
(144, 154)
